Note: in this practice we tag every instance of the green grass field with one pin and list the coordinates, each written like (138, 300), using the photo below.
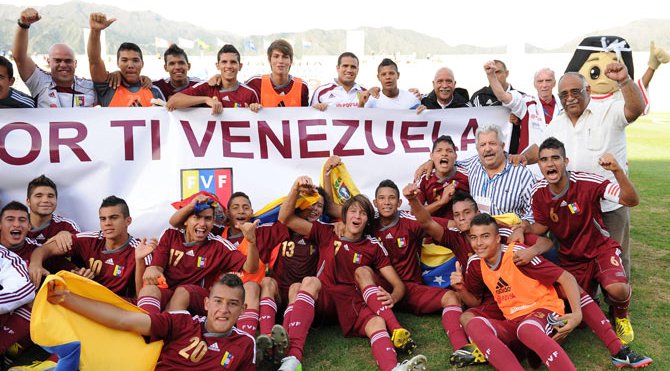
(649, 154)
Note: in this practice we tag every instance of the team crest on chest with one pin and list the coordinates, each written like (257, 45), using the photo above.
(402, 242)
(227, 360)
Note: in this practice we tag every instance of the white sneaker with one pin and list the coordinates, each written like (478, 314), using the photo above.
(290, 363)
(416, 363)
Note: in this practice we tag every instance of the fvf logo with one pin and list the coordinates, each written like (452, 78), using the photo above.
(216, 181)
(294, 324)
(553, 356)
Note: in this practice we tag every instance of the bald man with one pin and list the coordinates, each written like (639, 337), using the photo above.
(445, 94)
(59, 87)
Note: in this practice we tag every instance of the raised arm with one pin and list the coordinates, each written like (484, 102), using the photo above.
(249, 231)
(430, 226)
(334, 210)
(103, 313)
(24, 64)
(287, 214)
(97, 22)
(632, 96)
(628, 195)
(179, 217)
(494, 83)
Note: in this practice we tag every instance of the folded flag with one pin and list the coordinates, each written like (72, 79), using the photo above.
(82, 343)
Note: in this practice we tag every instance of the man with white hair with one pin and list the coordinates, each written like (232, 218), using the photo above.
(59, 87)
(445, 94)
(498, 186)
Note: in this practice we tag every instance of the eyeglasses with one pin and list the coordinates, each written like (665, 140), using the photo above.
(577, 93)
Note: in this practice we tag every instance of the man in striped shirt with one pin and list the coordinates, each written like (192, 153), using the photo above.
(10, 97)
(498, 186)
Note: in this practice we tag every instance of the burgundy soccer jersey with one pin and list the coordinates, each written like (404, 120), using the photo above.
(539, 269)
(574, 216)
(42, 233)
(430, 189)
(240, 95)
(339, 258)
(169, 90)
(403, 239)
(296, 259)
(195, 263)
(114, 269)
(255, 83)
(53, 264)
(188, 346)
(459, 243)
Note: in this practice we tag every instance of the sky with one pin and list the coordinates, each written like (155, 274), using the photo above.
(548, 24)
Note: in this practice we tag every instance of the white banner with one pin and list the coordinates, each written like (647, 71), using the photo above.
(151, 157)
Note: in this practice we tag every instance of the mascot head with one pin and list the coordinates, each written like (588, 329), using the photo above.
(593, 54)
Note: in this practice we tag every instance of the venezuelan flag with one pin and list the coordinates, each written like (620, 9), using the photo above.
(270, 212)
(437, 263)
(118, 270)
(342, 184)
(82, 343)
(574, 208)
(227, 360)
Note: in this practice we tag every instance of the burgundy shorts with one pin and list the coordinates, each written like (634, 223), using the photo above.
(345, 302)
(196, 302)
(506, 329)
(421, 299)
(604, 270)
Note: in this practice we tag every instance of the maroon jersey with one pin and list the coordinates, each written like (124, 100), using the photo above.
(403, 239)
(430, 189)
(238, 96)
(235, 239)
(339, 258)
(195, 263)
(458, 242)
(574, 216)
(256, 81)
(168, 90)
(53, 264)
(188, 346)
(114, 269)
(42, 233)
(539, 269)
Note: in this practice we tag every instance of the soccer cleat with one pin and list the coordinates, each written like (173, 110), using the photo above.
(624, 330)
(14, 350)
(416, 363)
(263, 349)
(279, 343)
(466, 356)
(627, 358)
(402, 340)
(290, 364)
(36, 366)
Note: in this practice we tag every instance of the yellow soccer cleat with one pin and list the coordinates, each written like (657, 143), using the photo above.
(624, 330)
(36, 366)
(402, 340)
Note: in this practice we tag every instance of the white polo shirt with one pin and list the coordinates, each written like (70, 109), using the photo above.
(600, 129)
(404, 100)
(336, 96)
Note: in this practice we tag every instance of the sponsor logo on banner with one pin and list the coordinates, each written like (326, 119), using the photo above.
(215, 181)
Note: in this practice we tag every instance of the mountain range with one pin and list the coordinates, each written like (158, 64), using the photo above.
(64, 23)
